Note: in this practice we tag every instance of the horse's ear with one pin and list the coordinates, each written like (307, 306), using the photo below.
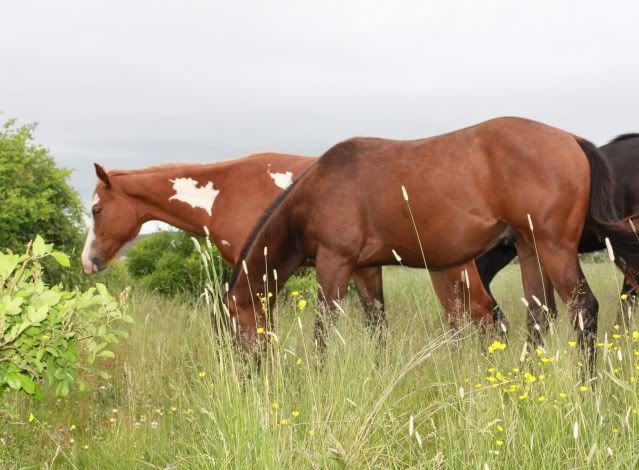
(102, 174)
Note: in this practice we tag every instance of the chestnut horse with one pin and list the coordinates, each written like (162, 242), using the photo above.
(228, 199)
(461, 192)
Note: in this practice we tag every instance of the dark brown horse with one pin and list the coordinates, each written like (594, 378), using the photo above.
(622, 154)
(440, 202)
(227, 198)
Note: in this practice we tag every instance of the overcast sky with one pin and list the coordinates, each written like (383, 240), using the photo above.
(132, 83)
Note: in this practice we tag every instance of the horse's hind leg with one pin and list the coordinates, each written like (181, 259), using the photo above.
(537, 290)
(562, 265)
(368, 282)
(333, 273)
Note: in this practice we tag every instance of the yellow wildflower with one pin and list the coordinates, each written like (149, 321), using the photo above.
(295, 293)
(523, 396)
(500, 428)
(31, 417)
(616, 336)
(572, 344)
(112, 420)
(275, 406)
(541, 398)
(301, 304)
(260, 330)
(499, 442)
(295, 413)
(563, 395)
(299, 362)
(202, 374)
(584, 388)
(496, 346)
(530, 377)
(284, 422)
(624, 296)
(635, 335)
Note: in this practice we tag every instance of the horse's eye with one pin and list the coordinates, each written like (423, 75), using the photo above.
(96, 210)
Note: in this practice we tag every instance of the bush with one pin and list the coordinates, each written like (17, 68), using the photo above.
(47, 333)
(168, 262)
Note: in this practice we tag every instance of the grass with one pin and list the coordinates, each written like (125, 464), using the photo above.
(178, 399)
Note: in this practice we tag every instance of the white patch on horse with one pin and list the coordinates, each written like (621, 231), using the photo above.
(87, 264)
(282, 180)
(225, 243)
(187, 190)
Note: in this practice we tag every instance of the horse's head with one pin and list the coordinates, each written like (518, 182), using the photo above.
(115, 220)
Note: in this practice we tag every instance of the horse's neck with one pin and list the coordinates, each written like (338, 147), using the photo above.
(157, 192)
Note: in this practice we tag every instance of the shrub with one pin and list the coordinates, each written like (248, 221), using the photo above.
(168, 262)
(46, 333)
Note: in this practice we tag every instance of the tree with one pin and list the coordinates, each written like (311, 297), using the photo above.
(35, 194)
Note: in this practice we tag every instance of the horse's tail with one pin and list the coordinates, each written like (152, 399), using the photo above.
(602, 215)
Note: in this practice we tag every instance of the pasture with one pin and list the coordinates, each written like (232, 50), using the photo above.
(180, 399)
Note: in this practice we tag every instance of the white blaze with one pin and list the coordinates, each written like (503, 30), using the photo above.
(187, 190)
(282, 180)
(87, 264)
(226, 243)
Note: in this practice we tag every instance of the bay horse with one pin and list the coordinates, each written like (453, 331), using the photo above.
(622, 155)
(227, 198)
(358, 205)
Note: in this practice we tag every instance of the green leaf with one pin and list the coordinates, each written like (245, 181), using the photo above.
(36, 316)
(39, 247)
(11, 306)
(106, 353)
(14, 380)
(62, 390)
(46, 297)
(28, 385)
(7, 264)
(61, 258)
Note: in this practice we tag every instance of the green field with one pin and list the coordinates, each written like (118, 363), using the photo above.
(179, 400)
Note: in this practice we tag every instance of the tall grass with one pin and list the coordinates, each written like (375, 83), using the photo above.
(181, 399)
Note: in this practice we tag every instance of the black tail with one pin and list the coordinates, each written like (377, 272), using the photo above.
(602, 214)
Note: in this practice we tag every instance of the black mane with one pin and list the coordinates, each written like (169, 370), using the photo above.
(258, 227)
(630, 135)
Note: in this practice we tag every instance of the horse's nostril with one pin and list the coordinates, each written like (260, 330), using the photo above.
(97, 262)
